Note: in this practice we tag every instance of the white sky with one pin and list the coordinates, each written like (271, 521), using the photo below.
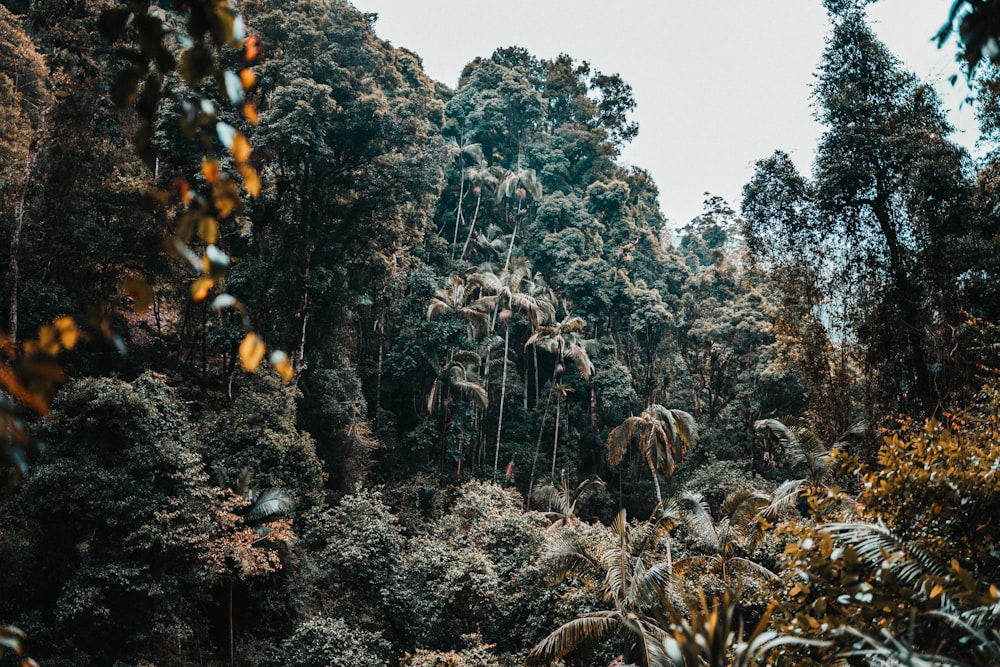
(718, 85)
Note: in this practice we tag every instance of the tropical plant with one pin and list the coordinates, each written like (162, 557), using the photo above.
(714, 637)
(664, 435)
(458, 375)
(454, 298)
(507, 290)
(739, 531)
(625, 571)
(802, 449)
(562, 501)
(564, 340)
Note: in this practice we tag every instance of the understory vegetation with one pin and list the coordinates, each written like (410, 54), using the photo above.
(311, 360)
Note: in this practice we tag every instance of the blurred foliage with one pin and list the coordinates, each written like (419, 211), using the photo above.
(462, 291)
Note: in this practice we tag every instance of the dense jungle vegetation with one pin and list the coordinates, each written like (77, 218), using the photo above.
(313, 361)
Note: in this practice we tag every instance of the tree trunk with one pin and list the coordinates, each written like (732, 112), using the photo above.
(555, 440)
(538, 447)
(503, 394)
(472, 226)
(656, 483)
(15, 233)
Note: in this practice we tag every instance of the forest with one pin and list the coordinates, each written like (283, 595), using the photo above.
(310, 360)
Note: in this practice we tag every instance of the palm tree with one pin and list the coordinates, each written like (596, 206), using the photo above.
(454, 298)
(562, 501)
(458, 375)
(508, 290)
(479, 175)
(713, 637)
(564, 340)
(561, 391)
(627, 575)
(803, 450)
(544, 316)
(664, 436)
(740, 530)
(517, 185)
(475, 153)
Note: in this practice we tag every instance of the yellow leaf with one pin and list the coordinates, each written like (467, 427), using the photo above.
(282, 366)
(140, 292)
(240, 148)
(208, 229)
(210, 170)
(48, 342)
(182, 188)
(937, 590)
(68, 333)
(201, 287)
(247, 78)
(251, 352)
(226, 197)
(250, 113)
(251, 48)
(251, 180)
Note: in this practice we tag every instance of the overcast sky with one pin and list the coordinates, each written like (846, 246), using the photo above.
(718, 85)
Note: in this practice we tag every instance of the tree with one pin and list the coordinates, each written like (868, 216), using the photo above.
(664, 436)
(628, 577)
(508, 291)
(562, 501)
(908, 567)
(739, 530)
(24, 81)
(802, 450)
(888, 203)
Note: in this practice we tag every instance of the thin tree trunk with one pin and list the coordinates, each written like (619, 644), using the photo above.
(538, 447)
(525, 383)
(15, 233)
(510, 248)
(534, 354)
(656, 483)
(503, 394)
(472, 225)
(555, 441)
(461, 198)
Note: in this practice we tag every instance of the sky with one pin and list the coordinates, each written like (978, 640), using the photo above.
(718, 85)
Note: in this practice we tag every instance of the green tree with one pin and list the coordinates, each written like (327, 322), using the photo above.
(664, 436)
(562, 501)
(506, 292)
(889, 201)
(624, 568)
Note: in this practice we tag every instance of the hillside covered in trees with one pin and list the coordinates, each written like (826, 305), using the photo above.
(311, 360)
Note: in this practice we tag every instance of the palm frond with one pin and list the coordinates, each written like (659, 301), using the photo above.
(851, 436)
(621, 437)
(698, 520)
(785, 496)
(878, 546)
(273, 502)
(572, 635)
(753, 567)
(742, 505)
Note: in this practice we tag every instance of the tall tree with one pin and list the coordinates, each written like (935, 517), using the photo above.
(665, 435)
(888, 201)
